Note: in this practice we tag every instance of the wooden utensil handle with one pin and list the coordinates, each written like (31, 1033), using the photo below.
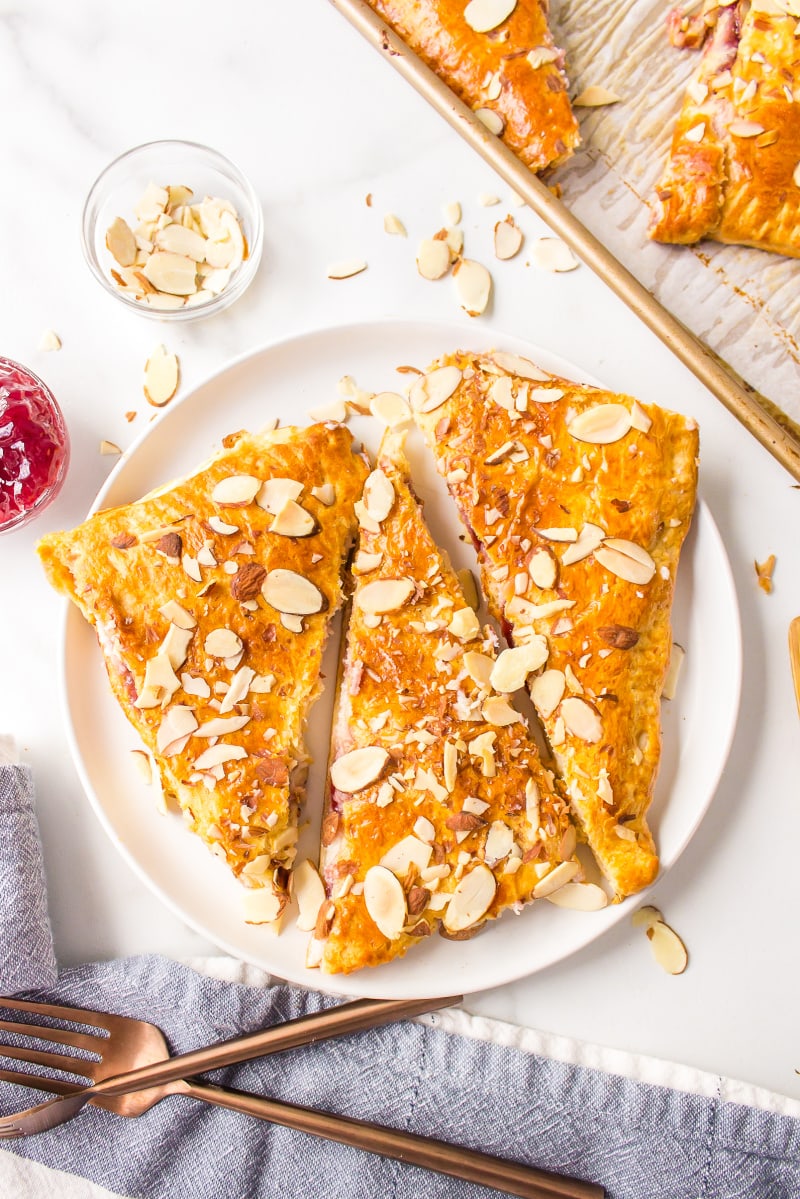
(513, 1178)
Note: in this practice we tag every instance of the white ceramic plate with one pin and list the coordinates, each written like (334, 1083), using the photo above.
(285, 380)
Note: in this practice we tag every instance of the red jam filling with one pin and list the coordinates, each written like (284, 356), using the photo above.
(34, 446)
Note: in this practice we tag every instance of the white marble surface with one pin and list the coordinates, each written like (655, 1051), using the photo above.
(318, 121)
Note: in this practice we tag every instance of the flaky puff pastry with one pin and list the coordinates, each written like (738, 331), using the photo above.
(578, 501)
(439, 814)
(212, 624)
(732, 174)
(513, 71)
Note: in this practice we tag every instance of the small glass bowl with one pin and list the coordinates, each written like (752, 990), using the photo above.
(117, 191)
(34, 445)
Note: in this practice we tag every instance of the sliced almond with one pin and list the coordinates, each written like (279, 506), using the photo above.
(143, 764)
(365, 562)
(668, 949)
(393, 224)
(408, 852)
(547, 691)
(309, 891)
(543, 567)
(219, 726)
(152, 203)
(601, 424)
(558, 877)
(499, 841)
(449, 765)
(109, 448)
(222, 527)
(430, 391)
(485, 15)
(385, 901)
(355, 770)
(645, 917)
(491, 119)
(499, 712)
(552, 254)
(696, 133)
(673, 673)
(513, 666)
(236, 491)
(595, 97)
(589, 538)
(517, 365)
(293, 521)
(217, 755)
(626, 559)
(175, 645)
(559, 534)
(49, 341)
(274, 493)
(121, 243)
(172, 273)
(507, 238)
(161, 375)
(473, 285)
(292, 593)
(379, 495)
(581, 719)
(579, 897)
(385, 595)
(479, 667)
(390, 408)
(745, 129)
(639, 418)
(433, 258)
(261, 905)
(471, 899)
(177, 723)
(541, 55)
(452, 213)
(177, 239)
(469, 588)
(326, 494)
(464, 624)
(346, 268)
(222, 643)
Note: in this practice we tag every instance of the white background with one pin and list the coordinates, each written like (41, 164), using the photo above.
(317, 121)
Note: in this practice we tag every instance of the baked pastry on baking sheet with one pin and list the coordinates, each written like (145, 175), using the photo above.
(439, 813)
(732, 173)
(211, 599)
(578, 501)
(501, 60)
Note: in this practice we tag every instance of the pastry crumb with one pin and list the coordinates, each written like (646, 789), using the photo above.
(764, 572)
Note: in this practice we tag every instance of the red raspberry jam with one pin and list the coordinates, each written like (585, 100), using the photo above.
(34, 445)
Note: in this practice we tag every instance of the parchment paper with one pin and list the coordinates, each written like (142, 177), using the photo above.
(743, 303)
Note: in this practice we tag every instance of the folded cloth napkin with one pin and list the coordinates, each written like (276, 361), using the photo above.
(449, 1075)
(27, 958)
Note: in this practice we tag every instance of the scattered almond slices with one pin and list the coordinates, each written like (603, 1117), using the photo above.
(595, 97)
(670, 686)
(507, 238)
(49, 342)
(161, 377)
(109, 447)
(552, 254)
(346, 268)
(764, 573)
(485, 15)
(392, 224)
(433, 258)
(668, 949)
(474, 286)
(180, 254)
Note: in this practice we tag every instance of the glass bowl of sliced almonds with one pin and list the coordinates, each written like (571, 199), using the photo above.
(173, 230)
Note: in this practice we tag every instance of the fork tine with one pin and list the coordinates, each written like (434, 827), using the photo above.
(76, 1015)
(57, 1086)
(63, 1036)
(81, 1066)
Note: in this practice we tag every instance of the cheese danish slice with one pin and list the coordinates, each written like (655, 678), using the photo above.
(578, 501)
(211, 599)
(439, 813)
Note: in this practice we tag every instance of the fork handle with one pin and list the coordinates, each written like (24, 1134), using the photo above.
(511, 1177)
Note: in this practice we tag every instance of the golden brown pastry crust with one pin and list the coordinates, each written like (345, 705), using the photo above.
(123, 565)
(737, 184)
(531, 100)
(608, 637)
(404, 687)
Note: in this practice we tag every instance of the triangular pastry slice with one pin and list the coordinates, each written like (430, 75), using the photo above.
(439, 814)
(578, 501)
(211, 599)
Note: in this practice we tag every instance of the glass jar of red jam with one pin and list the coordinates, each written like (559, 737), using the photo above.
(34, 445)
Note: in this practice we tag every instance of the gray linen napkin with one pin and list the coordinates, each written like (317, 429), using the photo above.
(27, 958)
(640, 1141)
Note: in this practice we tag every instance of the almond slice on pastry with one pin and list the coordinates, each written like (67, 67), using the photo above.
(732, 173)
(578, 501)
(212, 599)
(439, 814)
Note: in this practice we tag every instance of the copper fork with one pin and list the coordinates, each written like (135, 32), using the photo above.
(127, 1054)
